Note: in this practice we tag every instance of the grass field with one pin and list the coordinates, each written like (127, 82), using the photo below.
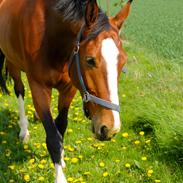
(149, 147)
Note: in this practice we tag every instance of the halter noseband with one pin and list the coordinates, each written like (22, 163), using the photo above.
(87, 96)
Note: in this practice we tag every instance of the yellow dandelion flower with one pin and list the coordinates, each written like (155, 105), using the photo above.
(41, 178)
(78, 141)
(80, 157)
(70, 130)
(26, 146)
(41, 166)
(143, 158)
(149, 173)
(125, 135)
(105, 174)
(66, 158)
(157, 180)
(11, 181)
(27, 178)
(31, 161)
(52, 165)
(123, 95)
(137, 142)
(44, 145)
(74, 160)
(113, 140)
(127, 165)
(124, 148)
(141, 133)
(71, 149)
(148, 141)
(2, 133)
(117, 160)
(43, 161)
(70, 179)
(12, 167)
(89, 139)
(101, 164)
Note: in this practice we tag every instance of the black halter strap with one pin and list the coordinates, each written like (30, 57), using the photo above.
(87, 96)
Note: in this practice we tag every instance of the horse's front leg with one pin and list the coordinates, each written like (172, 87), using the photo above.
(66, 94)
(41, 98)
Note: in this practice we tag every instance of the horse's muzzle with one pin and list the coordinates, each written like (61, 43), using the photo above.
(103, 134)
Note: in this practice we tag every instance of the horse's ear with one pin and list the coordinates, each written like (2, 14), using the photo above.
(119, 19)
(91, 12)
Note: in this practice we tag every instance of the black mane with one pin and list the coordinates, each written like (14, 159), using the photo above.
(74, 11)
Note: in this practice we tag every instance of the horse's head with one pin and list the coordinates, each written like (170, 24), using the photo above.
(96, 68)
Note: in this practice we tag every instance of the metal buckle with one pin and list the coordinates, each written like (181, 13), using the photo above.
(86, 97)
(77, 47)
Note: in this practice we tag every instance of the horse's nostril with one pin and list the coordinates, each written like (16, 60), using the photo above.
(104, 132)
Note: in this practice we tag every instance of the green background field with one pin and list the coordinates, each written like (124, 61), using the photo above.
(151, 97)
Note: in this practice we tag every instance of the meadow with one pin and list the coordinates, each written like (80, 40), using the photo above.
(149, 147)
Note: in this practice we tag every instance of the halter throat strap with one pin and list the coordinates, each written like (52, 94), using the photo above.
(87, 96)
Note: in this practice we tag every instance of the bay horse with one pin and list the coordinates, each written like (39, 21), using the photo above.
(67, 45)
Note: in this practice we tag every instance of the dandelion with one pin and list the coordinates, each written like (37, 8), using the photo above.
(105, 174)
(66, 158)
(149, 173)
(137, 142)
(125, 135)
(141, 133)
(41, 178)
(11, 181)
(2, 133)
(41, 166)
(71, 149)
(78, 141)
(70, 130)
(44, 145)
(113, 140)
(117, 160)
(157, 181)
(27, 178)
(123, 95)
(148, 141)
(89, 139)
(127, 165)
(101, 164)
(80, 157)
(70, 179)
(74, 160)
(12, 167)
(143, 158)
(31, 161)
(43, 161)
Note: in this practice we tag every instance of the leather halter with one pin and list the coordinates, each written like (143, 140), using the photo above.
(87, 96)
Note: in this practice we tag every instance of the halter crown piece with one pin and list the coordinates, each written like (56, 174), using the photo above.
(87, 96)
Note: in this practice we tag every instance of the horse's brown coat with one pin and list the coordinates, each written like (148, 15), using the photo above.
(36, 39)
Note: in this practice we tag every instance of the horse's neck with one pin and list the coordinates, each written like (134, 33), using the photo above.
(60, 38)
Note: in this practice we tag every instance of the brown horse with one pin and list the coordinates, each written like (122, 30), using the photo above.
(67, 45)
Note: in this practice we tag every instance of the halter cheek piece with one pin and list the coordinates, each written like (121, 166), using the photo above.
(87, 96)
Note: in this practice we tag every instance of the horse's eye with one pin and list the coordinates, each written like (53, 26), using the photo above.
(91, 61)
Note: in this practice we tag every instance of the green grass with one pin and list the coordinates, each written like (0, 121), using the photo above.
(155, 25)
(151, 96)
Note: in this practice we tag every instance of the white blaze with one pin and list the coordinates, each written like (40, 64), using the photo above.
(110, 54)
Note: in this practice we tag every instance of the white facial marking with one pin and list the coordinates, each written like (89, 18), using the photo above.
(110, 54)
(24, 133)
(60, 177)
